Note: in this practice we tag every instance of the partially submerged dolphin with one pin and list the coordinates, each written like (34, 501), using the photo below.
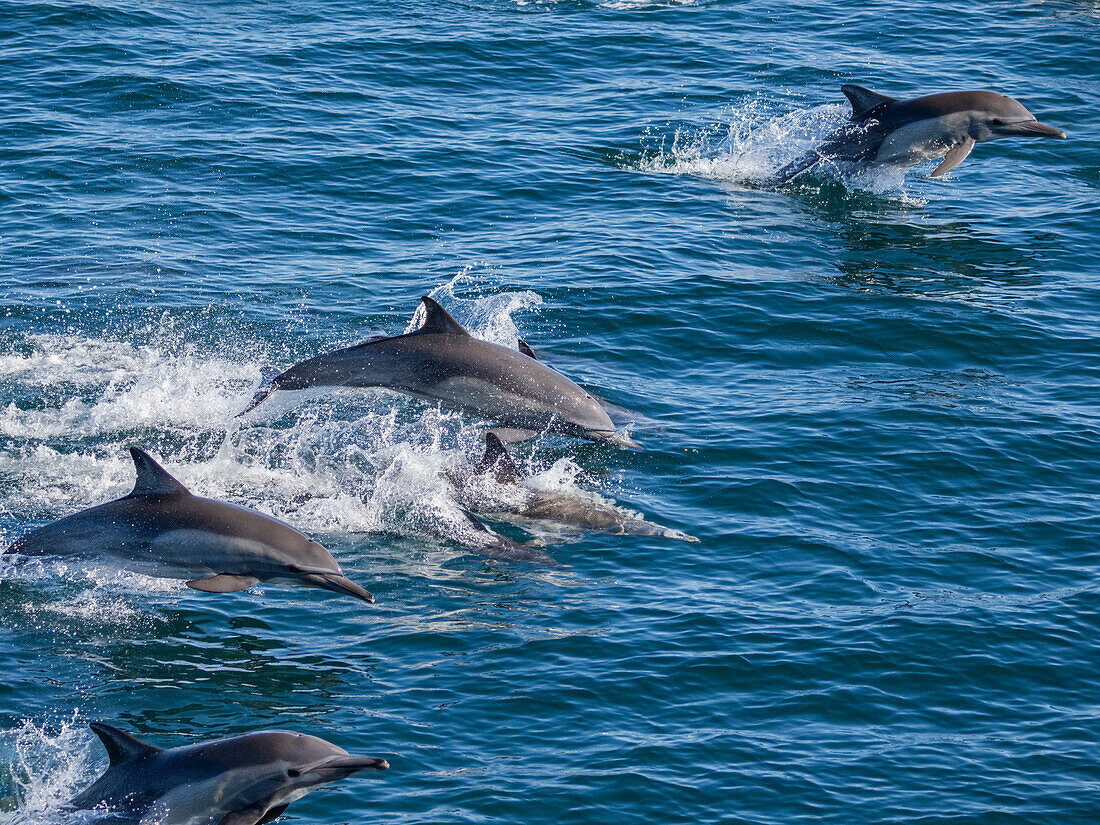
(443, 363)
(161, 529)
(570, 510)
(243, 780)
(884, 131)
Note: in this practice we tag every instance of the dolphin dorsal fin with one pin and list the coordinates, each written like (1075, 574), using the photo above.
(152, 479)
(121, 746)
(525, 348)
(438, 320)
(864, 101)
(497, 461)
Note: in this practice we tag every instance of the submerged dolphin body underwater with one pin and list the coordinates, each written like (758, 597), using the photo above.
(560, 508)
(160, 529)
(442, 363)
(886, 132)
(242, 780)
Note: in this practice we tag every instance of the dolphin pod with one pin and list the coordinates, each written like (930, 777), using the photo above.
(884, 131)
(441, 362)
(162, 530)
(243, 780)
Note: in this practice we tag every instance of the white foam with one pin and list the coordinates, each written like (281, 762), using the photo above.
(50, 763)
(327, 461)
(111, 386)
(752, 141)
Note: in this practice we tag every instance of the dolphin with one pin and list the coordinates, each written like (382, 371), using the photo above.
(495, 546)
(161, 529)
(441, 362)
(243, 780)
(541, 505)
(884, 131)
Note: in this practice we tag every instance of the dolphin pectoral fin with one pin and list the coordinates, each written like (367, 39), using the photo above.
(223, 583)
(954, 157)
(253, 815)
(510, 435)
(268, 385)
(273, 814)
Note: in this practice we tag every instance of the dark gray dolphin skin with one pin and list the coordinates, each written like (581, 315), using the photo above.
(496, 546)
(564, 509)
(902, 133)
(160, 529)
(243, 780)
(441, 362)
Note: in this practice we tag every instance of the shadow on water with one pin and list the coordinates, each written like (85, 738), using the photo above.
(895, 244)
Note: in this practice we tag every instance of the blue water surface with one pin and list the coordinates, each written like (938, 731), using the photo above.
(874, 400)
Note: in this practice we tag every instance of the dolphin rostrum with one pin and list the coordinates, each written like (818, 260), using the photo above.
(243, 780)
(443, 363)
(884, 131)
(539, 505)
(161, 529)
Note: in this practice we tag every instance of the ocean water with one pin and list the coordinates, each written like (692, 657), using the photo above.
(874, 400)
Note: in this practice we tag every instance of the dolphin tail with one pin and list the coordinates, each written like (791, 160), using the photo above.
(793, 169)
(269, 383)
(338, 584)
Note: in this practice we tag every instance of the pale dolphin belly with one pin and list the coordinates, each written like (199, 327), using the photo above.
(923, 140)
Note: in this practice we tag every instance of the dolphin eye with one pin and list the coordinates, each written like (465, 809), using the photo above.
(996, 122)
(293, 773)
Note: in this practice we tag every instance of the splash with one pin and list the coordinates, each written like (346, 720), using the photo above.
(751, 143)
(48, 765)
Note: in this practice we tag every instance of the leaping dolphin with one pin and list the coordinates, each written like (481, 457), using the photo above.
(243, 780)
(564, 509)
(443, 363)
(161, 529)
(884, 131)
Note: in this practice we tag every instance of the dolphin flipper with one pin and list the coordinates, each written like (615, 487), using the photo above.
(269, 383)
(255, 815)
(249, 816)
(273, 814)
(223, 583)
(510, 435)
(954, 157)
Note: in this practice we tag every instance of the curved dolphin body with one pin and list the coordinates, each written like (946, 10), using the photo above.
(244, 780)
(161, 529)
(884, 131)
(562, 509)
(441, 362)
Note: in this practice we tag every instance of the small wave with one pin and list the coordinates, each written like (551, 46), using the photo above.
(615, 5)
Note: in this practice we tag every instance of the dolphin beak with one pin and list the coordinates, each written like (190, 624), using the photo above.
(338, 584)
(1032, 128)
(617, 439)
(354, 764)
